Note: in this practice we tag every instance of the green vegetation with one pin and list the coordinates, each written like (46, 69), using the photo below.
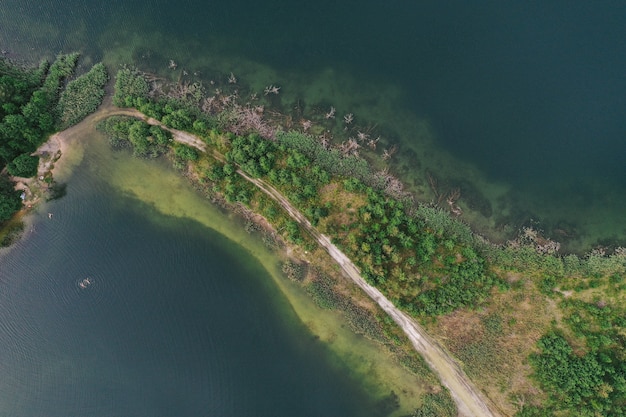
(82, 96)
(589, 384)
(33, 104)
(11, 233)
(424, 270)
(429, 264)
(131, 88)
(23, 165)
(185, 152)
(145, 140)
(436, 405)
(29, 99)
(9, 199)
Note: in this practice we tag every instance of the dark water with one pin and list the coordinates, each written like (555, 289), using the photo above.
(531, 95)
(176, 321)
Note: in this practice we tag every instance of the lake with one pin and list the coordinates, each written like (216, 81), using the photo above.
(124, 302)
(519, 106)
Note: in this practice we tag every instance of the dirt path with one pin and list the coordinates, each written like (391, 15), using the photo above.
(469, 400)
(179, 135)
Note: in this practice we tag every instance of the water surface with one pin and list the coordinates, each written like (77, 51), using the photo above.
(173, 320)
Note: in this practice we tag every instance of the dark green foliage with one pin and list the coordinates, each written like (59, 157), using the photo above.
(186, 153)
(82, 96)
(466, 284)
(146, 141)
(329, 160)
(547, 285)
(10, 201)
(534, 411)
(24, 165)
(178, 117)
(294, 270)
(593, 383)
(131, 88)
(493, 324)
(216, 172)
(159, 137)
(322, 291)
(116, 129)
(12, 233)
(16, 87)
(423, 271)
(56, 191)
(362, 321)
(28, 100)
(253, 154)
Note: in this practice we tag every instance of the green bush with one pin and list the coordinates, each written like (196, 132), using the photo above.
(146, 141)
(437, 405)
(186, 152)
(590, 384)
(130, 88)
(24, 165)
(82, 96)
(10, 201)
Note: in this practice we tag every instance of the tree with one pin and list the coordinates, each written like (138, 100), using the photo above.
(23, 166)
(10, 201)
(185, 152)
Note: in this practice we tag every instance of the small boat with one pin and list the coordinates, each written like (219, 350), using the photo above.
(84, 283)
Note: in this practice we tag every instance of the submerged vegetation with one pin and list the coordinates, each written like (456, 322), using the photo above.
(34, 103)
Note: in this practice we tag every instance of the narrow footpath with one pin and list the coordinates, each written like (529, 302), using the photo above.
(469, 400)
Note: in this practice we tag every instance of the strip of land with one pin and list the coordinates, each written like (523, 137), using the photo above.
(469, 400)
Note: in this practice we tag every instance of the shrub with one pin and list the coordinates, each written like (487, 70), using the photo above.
(186, 152)
(9, 199)
(130, 85)
(82, 96)
(24, 165)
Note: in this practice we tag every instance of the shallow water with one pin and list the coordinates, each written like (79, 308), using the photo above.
(118, 306)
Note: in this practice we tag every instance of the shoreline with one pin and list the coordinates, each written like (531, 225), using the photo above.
(468, 398)
(70, 146)
(64, 138)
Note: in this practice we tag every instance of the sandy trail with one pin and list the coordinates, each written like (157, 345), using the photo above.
(468, 398)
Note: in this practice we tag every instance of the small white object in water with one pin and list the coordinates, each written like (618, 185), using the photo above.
(49, 215)
(84, 283)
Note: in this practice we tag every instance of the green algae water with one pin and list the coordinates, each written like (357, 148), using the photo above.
(121, 304)
(518, 106)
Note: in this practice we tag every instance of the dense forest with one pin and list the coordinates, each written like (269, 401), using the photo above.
(34, 103)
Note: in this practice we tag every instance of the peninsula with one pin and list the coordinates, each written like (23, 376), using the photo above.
(536, 332)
